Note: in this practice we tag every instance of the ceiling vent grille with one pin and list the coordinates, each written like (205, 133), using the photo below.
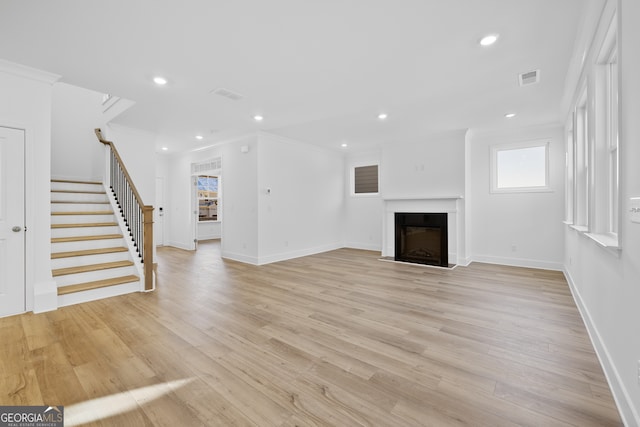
(234, 96)
(209, 165)
(529, 78)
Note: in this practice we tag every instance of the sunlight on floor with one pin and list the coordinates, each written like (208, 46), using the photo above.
(108, 406)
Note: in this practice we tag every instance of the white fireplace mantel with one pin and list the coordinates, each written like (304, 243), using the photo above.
(454, 207)
(395, 198)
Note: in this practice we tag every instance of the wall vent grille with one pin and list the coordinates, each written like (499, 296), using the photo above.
(529, 78)
(234, 96)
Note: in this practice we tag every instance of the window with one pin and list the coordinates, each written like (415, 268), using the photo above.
(365, 179)
(581, 163)
(520, 167)
(207, 197)
(604, 186)
(569, 159)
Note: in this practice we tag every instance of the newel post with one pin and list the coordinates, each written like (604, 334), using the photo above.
(147, 221)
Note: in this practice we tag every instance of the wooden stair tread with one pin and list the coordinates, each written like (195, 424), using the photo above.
(85, 224)
(87, 286)
(83, 213)
(70, 181)
(79, 202)
(57, 255)
(78, 192)
(83, 238)
(91, 267)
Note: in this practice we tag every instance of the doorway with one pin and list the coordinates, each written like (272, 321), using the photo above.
(12, 222)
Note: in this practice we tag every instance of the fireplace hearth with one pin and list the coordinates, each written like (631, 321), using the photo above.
(421, 238)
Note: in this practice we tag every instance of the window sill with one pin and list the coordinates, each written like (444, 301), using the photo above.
(208, 221)
(580, 228)
(604, 240)
(567, 222)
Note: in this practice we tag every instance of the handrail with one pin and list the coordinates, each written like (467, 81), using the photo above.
(137, 216)
(124, 169)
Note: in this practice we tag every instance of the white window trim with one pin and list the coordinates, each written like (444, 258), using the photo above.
(515, 146)
(352, 179)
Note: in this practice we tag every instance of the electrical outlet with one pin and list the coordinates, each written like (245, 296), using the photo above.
(514, 248)
(638, 372)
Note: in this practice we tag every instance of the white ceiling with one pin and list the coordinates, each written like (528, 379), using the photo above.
(318, 71)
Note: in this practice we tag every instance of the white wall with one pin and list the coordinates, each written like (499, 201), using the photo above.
(25, 103)
(137, 150)
(606, 283)
(435, 167)
(208, 230)
(363, 214)
(179, 217)
(240, 200)
(522, 229)
(303, 213)
(76, 153)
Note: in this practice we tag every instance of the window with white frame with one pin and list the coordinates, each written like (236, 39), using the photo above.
(207, 186)
(569, 183)
(581, 164)
(365, 180)
(605, 187)
(520, 167)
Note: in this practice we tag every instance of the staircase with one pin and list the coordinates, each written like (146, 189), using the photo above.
(89, 255)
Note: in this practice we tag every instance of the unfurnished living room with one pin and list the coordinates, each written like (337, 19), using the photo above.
(320, 213)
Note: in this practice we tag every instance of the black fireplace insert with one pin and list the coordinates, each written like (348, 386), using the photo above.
(422, 238)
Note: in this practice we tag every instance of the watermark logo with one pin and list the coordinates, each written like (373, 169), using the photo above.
(31, 416)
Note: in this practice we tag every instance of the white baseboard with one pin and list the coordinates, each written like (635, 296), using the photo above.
(240, 257)
(364, 246)
(299, 253)
(179, 245)
(464, 262)
(518, 262)
(45, 296)
(627, 411)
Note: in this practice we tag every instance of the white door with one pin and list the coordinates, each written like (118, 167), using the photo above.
(12, 286)
(158, 213)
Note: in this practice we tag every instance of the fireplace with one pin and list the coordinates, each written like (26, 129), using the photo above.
(422, 238)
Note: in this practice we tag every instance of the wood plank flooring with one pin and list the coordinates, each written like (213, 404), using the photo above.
(336, 339)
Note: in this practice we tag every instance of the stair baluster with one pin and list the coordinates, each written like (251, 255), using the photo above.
(137, 216)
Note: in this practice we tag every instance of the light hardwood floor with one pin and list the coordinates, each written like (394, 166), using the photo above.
(338, 339)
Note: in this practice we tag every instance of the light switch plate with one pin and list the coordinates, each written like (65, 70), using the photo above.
(635, 209)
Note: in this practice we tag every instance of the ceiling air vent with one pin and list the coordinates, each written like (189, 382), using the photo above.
(529, 78)
(234, 96)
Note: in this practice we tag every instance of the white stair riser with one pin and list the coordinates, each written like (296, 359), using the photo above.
(73, 279)
(84, 231)
(77, 261)
(96, 294)
(81, 219)
(86, 244)
(74, 186)
(78, 197)
(84, 207)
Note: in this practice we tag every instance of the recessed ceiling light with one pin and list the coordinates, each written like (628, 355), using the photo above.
(199, 136)
(258, 118)
(382, 116)
(160, 81)
(489, 40)
(344, 145)
(510, 115)
(165, 148)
